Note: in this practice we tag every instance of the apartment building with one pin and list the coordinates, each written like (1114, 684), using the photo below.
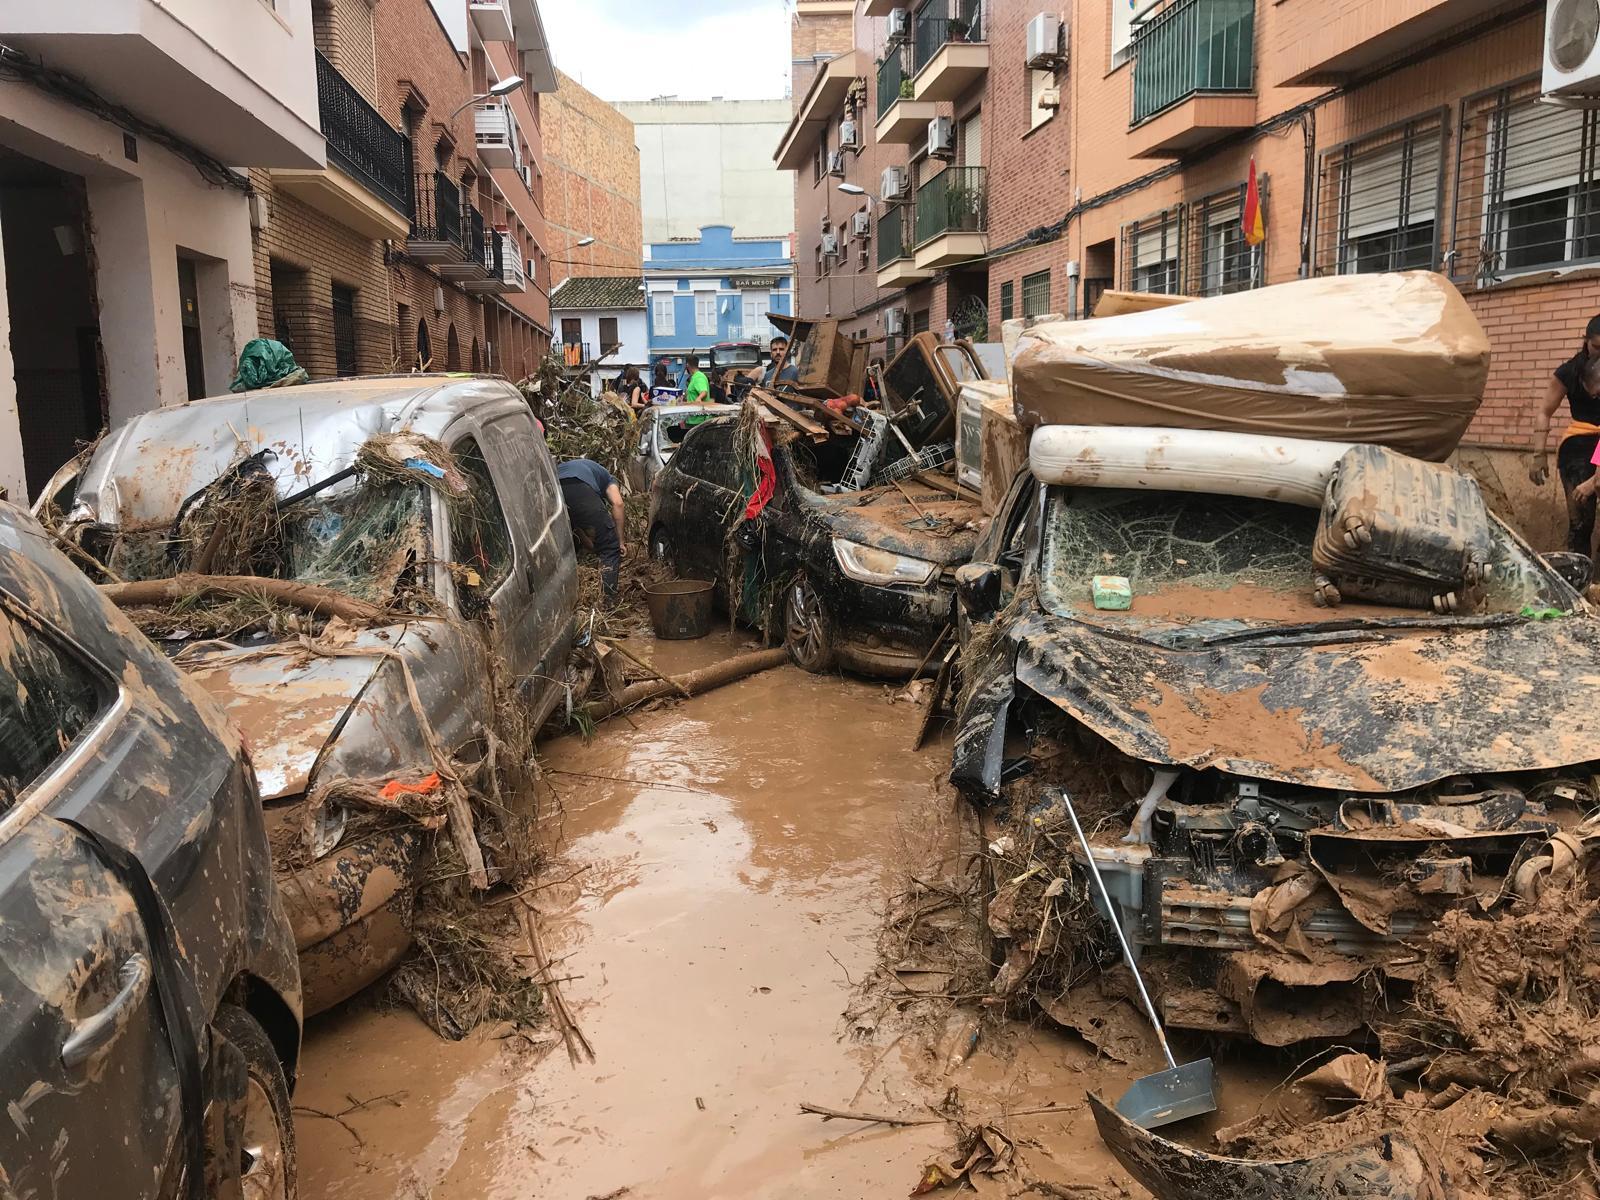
(421, 243)
(1112, 148)
(127, 278)
(717, 287)
(591, 185)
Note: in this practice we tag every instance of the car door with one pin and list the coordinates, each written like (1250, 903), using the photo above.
(702, 488)
(535, 611)
(92, 1082)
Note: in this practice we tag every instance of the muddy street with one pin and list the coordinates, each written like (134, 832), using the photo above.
(735, 854)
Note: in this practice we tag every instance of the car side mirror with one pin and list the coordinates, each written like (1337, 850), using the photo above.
(978, 589)
(1577, 569)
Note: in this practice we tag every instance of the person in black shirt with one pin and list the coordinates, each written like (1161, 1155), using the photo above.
(1578, 440)
(586, 486)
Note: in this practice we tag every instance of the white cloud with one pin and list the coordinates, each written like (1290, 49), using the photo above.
(640, 49)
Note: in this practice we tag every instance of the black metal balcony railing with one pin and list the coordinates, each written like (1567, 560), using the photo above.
(940, 22)
(1194, 46)
(473, 232)
(891, 76)
(494, 256)
(893, 226)
(360, 142)
(436, 209)
(956, 200)
(576, 354)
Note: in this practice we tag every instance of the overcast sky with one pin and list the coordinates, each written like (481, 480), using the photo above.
(693, 49)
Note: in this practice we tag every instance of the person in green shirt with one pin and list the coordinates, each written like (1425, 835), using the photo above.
(699, 389)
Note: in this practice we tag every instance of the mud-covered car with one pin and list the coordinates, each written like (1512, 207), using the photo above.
(1282, 797)
(424, 509)
(858, 580)
(149, 996)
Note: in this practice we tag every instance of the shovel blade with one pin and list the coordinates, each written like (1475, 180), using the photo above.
(1170, 1096)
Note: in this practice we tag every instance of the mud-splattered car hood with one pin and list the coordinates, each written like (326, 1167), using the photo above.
(1383, 715)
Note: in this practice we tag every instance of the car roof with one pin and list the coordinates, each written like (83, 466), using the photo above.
(146, 467)
(678, 410)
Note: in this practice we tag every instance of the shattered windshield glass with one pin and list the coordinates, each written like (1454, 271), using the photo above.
(1220, 563)
(365, 542)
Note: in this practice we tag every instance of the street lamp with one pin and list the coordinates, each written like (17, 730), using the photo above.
(498, 91)
(586, 240)
(855, 189)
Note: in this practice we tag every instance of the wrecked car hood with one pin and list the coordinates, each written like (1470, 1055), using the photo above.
(884, 518)
(291, 704)
(1374, 716)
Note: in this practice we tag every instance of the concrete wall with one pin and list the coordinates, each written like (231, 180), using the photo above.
(270, 43)
(710, 163)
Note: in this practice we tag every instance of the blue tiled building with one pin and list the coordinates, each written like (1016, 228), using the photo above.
(716, 289)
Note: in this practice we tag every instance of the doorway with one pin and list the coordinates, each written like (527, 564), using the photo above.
(55, 314)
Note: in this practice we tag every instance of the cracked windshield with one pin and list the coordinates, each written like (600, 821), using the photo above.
(799, 600)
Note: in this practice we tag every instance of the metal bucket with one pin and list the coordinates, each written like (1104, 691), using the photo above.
(680, 608)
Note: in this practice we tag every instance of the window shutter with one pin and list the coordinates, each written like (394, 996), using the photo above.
(1377, 178)
(1543, 149)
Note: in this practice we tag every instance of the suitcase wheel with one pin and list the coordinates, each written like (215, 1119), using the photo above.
(1446, 603)
(1356, 533)
(1323, 592)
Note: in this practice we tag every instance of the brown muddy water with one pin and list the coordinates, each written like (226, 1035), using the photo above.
(736, 854)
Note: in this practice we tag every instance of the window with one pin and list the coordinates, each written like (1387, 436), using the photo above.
(1227, 262)
(1038, 83)
(972, 141)
(708, 454)
(1379, 201)
(609, 341)
(46, 700)
(819, 164)
(920, 320)
(1036, 294)
(1007, 297)
(1150, 251)
(479, 538)
(1538, 196)
(663, 308)
(705, 314)
(756, 307)
(1123, 17)
(571, 331)
(344, 331)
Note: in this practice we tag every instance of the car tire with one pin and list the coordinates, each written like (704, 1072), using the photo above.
(660, 546)
(267, 1152)
(807, 631)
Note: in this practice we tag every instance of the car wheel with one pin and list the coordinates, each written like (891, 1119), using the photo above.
(660, 546)
(266, 1153)
(807, 633)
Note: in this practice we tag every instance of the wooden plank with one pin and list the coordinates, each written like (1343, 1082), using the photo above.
(803, 423)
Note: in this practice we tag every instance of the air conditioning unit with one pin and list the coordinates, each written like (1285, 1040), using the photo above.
(941, 138)
(893, 185)
(830, 244)
(848, 135)
(899, 24)
(861, 224)
(1044, 42)
(1050, 98)
(1572, 52)
(894, 321)
(836, 163)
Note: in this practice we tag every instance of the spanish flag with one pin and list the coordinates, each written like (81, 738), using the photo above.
(1255, 226)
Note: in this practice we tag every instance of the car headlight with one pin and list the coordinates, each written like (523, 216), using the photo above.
(326, 828)
(868, 564)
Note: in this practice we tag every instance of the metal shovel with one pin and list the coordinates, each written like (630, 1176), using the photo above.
(1178, 1092)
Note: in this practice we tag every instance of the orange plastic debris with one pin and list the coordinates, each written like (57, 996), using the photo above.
(399, 787)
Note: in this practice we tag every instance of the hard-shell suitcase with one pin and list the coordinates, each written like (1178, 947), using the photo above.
(1397, 530)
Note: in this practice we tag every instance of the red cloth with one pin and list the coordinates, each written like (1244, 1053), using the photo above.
(767, 483)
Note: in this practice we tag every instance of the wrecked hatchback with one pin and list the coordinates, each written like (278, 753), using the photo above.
(375, 578)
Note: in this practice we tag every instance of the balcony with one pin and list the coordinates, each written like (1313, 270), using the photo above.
(497, 135)
(477, 262)
(493, 20)
(1328, 44)
(229, 76)
(503, 262)
(952, 218)
(574, 355)
(435, 235)
(880, 8)
(367, 185)
(901, 120)
(949, 54)
(1193, 76)
(897, 266)
(820, 108)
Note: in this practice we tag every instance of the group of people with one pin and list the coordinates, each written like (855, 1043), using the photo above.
(592, 493)
(698, 387)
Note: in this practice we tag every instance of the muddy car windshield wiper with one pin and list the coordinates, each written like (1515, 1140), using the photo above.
(1313, 629)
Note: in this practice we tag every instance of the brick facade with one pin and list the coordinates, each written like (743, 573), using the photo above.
(1068, 194)
(591, 185)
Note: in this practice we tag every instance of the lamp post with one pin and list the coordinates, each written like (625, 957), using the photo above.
(498, 91)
